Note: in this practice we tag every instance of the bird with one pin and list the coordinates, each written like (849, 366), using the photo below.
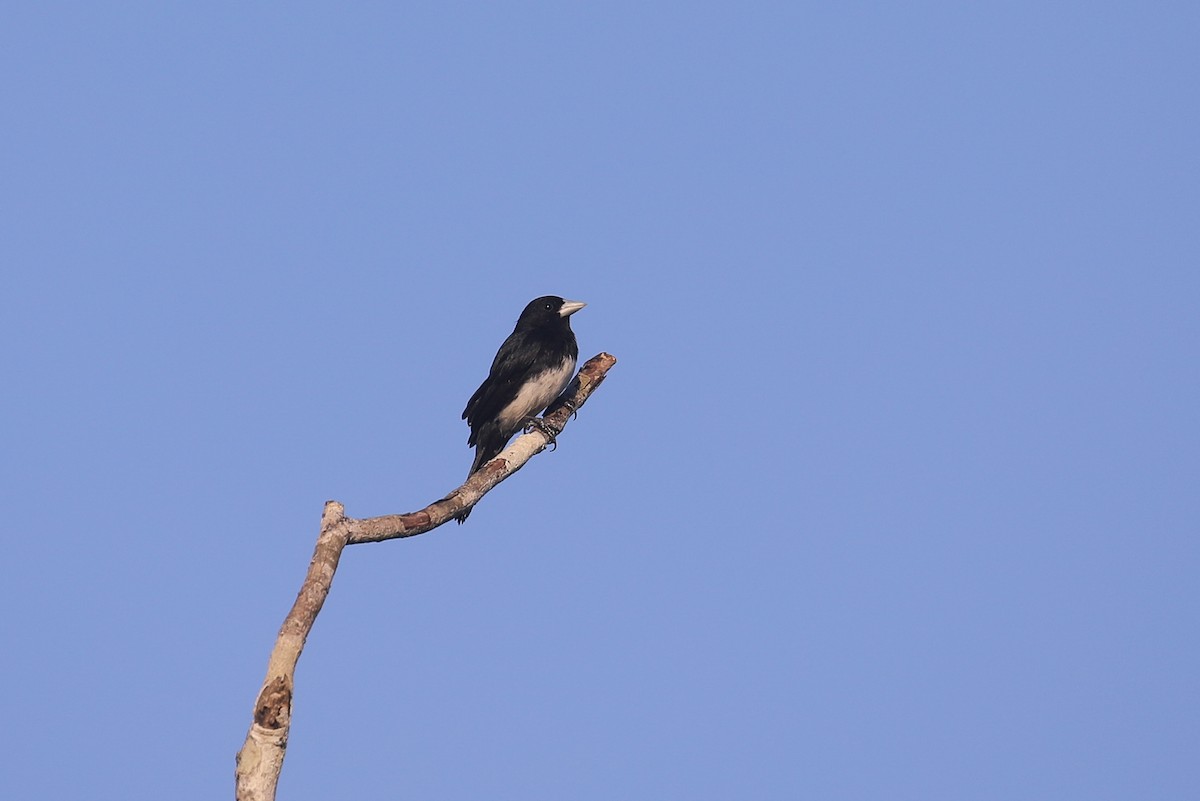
(531, 369)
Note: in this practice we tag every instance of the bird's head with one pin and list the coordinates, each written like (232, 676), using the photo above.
(548, 310)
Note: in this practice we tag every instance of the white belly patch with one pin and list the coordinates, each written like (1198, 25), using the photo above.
(536, 395)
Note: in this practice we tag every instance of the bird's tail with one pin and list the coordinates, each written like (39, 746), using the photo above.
(487, 448)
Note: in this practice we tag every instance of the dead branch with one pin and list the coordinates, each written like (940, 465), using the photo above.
(261, 758)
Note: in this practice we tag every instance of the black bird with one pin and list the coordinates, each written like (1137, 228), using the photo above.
(531, 369)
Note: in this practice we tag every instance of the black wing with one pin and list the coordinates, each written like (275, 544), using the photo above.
(513, 363)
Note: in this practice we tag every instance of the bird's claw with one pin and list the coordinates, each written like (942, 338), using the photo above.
(541, 425)
(561, 403)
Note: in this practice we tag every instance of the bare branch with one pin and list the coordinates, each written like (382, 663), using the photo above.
(261, 758)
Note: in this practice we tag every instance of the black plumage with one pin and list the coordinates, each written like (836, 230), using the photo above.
(531, 369)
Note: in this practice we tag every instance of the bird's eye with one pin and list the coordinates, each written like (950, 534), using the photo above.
(548, 306)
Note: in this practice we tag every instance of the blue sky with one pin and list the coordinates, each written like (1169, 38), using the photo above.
(892, 493)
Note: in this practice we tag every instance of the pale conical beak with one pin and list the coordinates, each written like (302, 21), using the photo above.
(569, 307)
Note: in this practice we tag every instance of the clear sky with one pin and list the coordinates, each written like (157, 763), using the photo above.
(893, 493)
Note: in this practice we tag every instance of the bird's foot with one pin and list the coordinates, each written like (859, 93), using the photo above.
(560, 403)
(547, 429)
